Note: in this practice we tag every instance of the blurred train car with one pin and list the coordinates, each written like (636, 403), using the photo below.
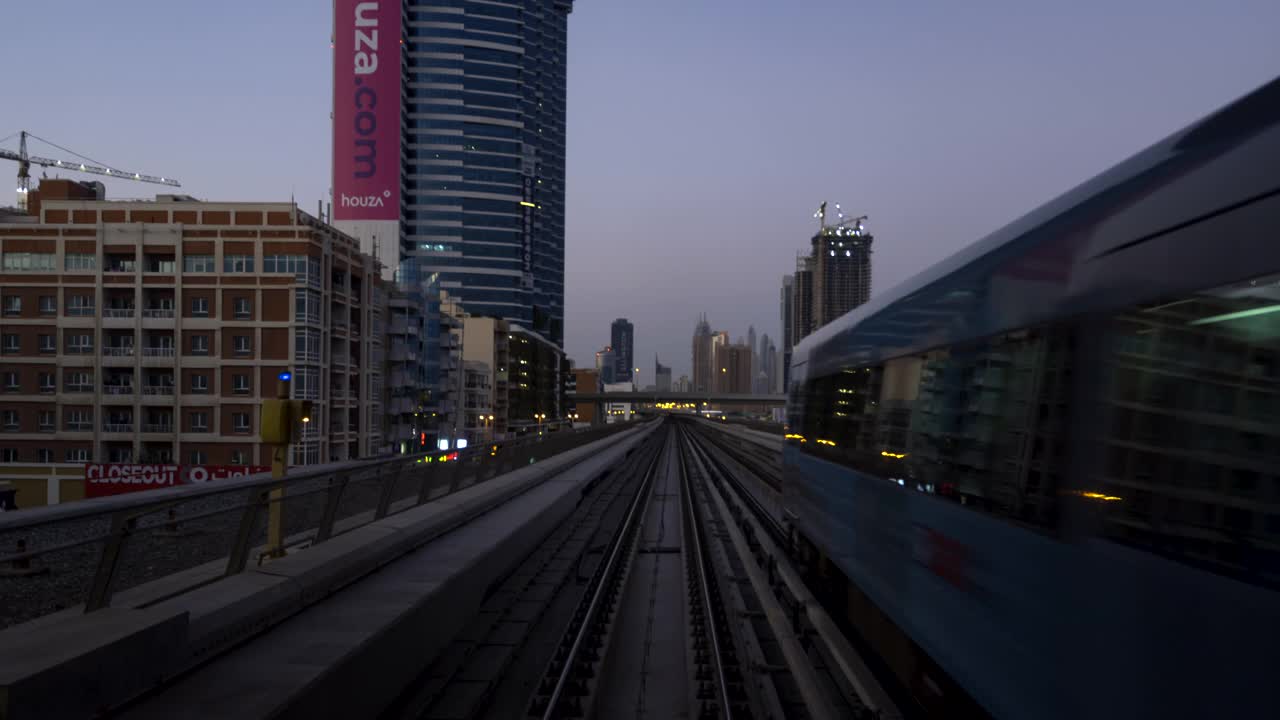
(1042, 478)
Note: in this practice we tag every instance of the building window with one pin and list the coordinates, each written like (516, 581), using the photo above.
(296, 264)
(77, 455)
(10, 343)
(241, 345)
(119, 454)
(9, 419)
(12, 382)
(199, 457)
(80, 420)
(240, 384)
(80, 305)
(306, 306)
(240, 422)
(48, 344)
(199, 384)
(161, 264)
(79, 344)
(80, 261)
(199, 344)
(237, 263)
(197, 263)
(47, 384)
(200, 422)
(78, 382)
(238, 457)
(48, 305)
(47, 422)
(199, 307)
(12, 304)
(20, 261)
(9, 455)
(244, 309)
(44, 455)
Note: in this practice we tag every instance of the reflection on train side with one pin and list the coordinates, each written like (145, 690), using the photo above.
(1177, 425)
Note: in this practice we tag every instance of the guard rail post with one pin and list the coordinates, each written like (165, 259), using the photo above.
(123, 524)
(238, 558)
(332, 499)
(390, 477)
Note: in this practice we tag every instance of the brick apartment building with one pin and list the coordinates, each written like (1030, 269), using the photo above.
(149, 331)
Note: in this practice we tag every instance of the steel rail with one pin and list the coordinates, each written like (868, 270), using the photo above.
(701, 559)
(601, 590)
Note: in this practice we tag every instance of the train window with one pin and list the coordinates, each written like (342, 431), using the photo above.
(1189, 432)
(982, 424)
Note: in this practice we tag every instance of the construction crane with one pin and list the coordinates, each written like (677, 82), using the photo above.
(839, 228)
(25, 162)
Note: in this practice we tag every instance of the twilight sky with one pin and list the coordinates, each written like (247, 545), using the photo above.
(702, 134)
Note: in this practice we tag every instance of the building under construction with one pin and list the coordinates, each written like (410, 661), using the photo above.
(832, 279)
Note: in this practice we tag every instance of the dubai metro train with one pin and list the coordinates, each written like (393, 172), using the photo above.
(1042, 478)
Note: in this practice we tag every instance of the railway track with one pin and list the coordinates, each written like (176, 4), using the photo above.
(657, 599)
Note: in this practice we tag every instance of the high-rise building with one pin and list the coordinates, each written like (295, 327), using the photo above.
(622, 340)
(802, 299)
(607, 365)
(464, 180)
(841, 263)
(785, 305)
(765, 373)
(661, 375)
(703, 357)
(755, 359)
(733, 368)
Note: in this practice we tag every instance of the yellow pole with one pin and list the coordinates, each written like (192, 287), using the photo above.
(279, 466)
(275, 518)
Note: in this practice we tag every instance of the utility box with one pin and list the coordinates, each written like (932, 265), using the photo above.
(276, 421)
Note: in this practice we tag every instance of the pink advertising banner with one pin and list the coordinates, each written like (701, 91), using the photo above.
(366, 110)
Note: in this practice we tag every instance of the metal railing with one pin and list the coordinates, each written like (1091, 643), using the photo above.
(157, 313)
(167, 541)
(157, 352)
(118, 351)
(157, 390)
(117, 312)
(117, 389)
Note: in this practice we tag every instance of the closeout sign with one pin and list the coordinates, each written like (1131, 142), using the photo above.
(103, 479)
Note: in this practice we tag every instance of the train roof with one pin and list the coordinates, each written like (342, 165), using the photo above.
(1084, 250)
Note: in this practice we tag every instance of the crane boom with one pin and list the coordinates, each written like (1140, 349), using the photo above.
(25, 161)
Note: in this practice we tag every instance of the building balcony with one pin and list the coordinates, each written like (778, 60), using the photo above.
(117, 427)
(157, 352)
(118, 351)
(165, 427)
(157, 313)
(118, 313)
(117, 389)
(157, 390)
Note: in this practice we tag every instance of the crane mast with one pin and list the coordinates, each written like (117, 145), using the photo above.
(25, 161)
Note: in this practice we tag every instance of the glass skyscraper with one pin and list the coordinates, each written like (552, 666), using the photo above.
(484, 147)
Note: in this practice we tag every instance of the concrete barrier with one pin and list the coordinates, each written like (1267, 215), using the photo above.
(293, 592)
